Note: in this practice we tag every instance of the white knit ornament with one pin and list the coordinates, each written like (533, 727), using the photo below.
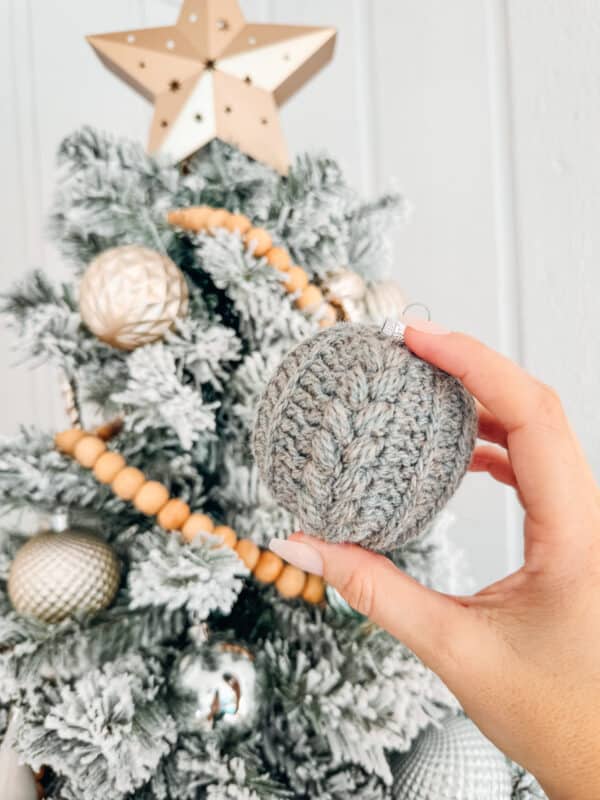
(130, 296)
(454, 762)
(55, 575)
(383, 300)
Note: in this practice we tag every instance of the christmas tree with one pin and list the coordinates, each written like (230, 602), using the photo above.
(177, 658)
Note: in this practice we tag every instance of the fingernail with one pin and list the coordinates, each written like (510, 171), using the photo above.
(425, 326)
(299, 554)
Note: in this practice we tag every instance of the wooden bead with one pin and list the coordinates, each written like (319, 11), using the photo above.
(127, 482)
(228, 534)
(268, 567)
(249, 552)
(107, 467)
(279, 258)
(259, 240)
(295, 279)
(151, 497)
(191, 219)
(88, 450)
(291, 581)
(109, 429)
(65, 441)
(314, 589)
(173, 515)
(217, 218)
(195, 524)
(310, 298)
(329, 316)
(238, 222)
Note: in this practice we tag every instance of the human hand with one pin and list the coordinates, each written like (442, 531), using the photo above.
(522, 655)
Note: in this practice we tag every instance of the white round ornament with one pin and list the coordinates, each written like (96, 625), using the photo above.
(131, 295)
(383, 300)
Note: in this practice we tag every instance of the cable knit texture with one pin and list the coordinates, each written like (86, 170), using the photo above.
(360, 439)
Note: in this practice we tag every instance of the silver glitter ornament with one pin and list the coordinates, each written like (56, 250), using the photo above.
(454, 762)
(55, 575)
(130, 296)
(218, 683)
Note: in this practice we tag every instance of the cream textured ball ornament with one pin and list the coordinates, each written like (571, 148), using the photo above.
(454, 762)
(131, 295)
(55, 575)
(362, 440)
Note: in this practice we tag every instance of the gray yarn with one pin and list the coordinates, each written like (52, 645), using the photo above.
(454, 762)
(360, 439)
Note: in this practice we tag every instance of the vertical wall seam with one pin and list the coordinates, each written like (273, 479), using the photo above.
(366, 106)
(505, 221)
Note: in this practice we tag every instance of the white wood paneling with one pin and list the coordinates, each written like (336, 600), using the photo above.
(555, 61)
(484, 112)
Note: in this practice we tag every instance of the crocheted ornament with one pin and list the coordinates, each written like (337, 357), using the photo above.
(455, 762)
(360, 439)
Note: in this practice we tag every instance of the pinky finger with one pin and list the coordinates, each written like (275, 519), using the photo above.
(494, 460)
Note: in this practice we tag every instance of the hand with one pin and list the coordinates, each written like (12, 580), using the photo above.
(522, 655)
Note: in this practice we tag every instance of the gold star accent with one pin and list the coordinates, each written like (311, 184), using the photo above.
(213, 75)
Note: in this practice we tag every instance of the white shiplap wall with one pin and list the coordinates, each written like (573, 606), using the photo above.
(485, 113)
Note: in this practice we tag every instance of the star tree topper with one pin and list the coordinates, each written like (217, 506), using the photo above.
(214, 75)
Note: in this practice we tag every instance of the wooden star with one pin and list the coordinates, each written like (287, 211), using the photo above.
(229, 77)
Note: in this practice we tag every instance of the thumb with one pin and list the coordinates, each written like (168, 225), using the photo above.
(431, 624)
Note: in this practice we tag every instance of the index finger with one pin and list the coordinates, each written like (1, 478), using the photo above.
(543, 452)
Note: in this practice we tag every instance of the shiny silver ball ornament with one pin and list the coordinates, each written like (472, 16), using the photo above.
(55, 575)
(454, 762)
(218, 684)
(131, 295)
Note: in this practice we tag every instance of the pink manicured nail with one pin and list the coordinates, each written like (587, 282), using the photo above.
(300, 555)
(425, 326)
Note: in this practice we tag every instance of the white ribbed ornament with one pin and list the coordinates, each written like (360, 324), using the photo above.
(55, 575)
(455, 762)
(382, 300)
(131, 295)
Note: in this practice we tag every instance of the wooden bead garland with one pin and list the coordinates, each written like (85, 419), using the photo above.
(152, 498)
(308, 298)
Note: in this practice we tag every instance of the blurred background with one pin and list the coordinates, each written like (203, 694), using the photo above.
(484, 113)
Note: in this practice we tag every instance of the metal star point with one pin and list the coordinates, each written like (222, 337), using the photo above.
(213, 75)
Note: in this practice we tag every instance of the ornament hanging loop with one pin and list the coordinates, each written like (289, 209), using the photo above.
(416, 305)
(396, 327)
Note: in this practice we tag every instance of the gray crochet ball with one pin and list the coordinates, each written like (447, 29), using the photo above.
(455, 762)
(361, 440)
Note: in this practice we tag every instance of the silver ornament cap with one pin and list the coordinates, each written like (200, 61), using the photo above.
(131, 295)
(55, 575)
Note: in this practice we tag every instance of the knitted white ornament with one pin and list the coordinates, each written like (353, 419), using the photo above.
(360, 439)
(454, 762)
